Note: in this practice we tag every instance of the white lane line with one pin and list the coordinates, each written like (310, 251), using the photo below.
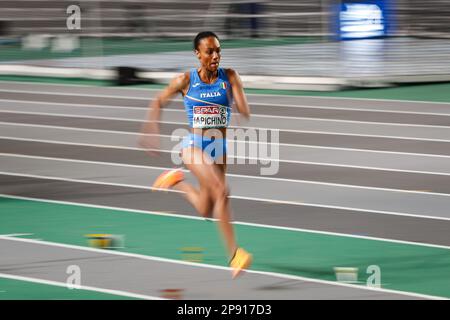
(82, 105)
(241, 127)
(248, 94)
(117, 164)
(80, 287)
(77, 116)
(131, 96)
(34, 84)
(269, 143)
(302, 106)
(30, 83)
(169, 108)
(75, 94)
(318, 205)
(16, 235)
(337, 120)
(258, 115)
(87, 144)
(210, 266)
(284, 202)
(243, 223)
(349, 98)
(266, 160)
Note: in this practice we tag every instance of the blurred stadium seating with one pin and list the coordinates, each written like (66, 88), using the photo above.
(295, 38)
(169, 18)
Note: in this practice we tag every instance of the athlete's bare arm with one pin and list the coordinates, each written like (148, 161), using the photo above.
(151, 127)
(177, 85)
(238, 93)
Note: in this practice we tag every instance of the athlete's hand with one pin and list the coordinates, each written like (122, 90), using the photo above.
(149, 138)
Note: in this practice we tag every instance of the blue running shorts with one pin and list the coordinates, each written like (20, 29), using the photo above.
(213, 147)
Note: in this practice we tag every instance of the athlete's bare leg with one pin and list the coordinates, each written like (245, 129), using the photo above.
(213, 193)
(201, 199)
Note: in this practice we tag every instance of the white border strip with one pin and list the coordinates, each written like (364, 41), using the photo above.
(258, 225)
(254, 115)
(318, 97)
(118, 164)
(270, 143)
(242, 127)
(232, 197)
(340, 165)
(80, 287)
(210, 266)
(296, 106)
(248, 94)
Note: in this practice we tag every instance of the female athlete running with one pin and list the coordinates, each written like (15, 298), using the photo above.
(208, 94)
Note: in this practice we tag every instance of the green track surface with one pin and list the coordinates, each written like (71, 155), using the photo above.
(436, 92)
(107, 47)
(404, 267)
(24, 290)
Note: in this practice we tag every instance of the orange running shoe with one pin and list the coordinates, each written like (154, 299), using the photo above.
(168, 179)
(241, 260)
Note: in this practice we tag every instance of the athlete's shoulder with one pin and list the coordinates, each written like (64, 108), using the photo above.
(180, 82)
(232, 75)
(184, 77)
(230, 72)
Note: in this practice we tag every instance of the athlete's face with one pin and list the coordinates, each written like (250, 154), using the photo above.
(208, 53)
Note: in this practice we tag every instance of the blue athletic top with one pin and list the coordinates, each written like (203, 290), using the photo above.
(208, 105)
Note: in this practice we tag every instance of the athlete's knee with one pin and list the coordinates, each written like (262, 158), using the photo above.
(221, 191)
